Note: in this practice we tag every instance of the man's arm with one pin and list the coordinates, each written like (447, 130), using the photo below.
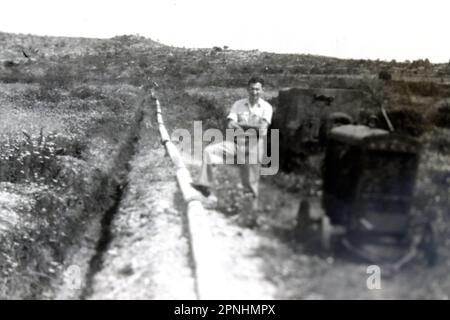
(231, 124)
(244, 126)
(261, 125)
(232, 118)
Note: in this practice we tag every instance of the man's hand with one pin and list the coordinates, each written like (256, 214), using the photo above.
(257, 124)
(233, 125)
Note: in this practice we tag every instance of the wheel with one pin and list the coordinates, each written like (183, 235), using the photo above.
(325, 232)
(429, 246)
(303, 214)
(308, 222)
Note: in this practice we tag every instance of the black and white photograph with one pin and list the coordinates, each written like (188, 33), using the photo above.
(252, 150)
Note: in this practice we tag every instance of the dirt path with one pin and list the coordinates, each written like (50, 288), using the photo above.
(281, 266)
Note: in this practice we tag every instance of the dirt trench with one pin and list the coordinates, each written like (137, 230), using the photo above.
(84, 258)
(144, 249)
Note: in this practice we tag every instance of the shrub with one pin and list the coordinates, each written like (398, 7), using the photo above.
(33, 253)
(424, 88)
(384, 75)
(86, 92)
(421, 63)
(16, 76)
(407, 121)
(57, 76)
(35, 159)
(440, 144)
(9, 64)
(441, 117)
(272, 70)
(212, 113)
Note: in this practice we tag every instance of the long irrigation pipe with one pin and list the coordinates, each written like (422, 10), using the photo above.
(209, 272)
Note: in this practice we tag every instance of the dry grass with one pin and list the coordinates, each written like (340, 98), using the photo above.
(54, 124)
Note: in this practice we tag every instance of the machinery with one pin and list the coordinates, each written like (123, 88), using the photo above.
(369, 177)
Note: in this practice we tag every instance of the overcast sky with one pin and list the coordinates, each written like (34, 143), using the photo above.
(384, 29)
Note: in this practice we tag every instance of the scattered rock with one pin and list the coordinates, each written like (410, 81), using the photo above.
(126, 270)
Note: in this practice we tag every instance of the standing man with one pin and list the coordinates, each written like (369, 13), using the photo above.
(249, 118)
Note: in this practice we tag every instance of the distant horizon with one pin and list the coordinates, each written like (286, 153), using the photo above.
(345, 29)
(222, 47)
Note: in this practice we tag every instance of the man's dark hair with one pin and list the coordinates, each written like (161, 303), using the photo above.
(255, 80)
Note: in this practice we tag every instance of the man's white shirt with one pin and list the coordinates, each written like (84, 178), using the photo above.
(242, 110)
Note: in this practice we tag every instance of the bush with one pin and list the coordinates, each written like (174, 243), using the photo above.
(384, 75)
(440, 144)
(423, 88)
(16, 76)
(272, 70)
(421, 63)
(33, 253)
(86, 92)
(28, 160)
(59, 76)
(9, 64)
(441, 117)
(35, 159)
(212, 114)
(407, 121)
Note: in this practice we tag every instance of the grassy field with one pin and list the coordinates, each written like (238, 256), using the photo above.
(65, 136)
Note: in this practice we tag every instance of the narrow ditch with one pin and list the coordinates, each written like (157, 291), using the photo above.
(181, 206)
(122, 166)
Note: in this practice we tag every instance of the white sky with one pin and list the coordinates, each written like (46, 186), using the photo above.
(384, 29)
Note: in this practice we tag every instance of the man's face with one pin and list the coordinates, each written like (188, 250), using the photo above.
(254, 91)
